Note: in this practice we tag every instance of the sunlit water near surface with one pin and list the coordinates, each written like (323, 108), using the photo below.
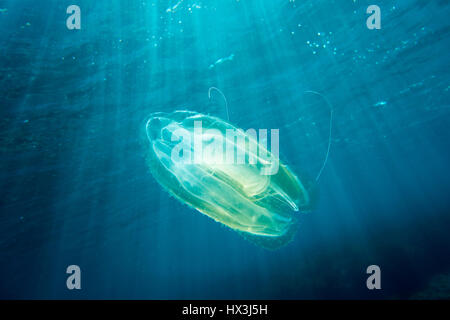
(76, 189)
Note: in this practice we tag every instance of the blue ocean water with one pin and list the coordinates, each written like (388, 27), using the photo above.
(76, 189)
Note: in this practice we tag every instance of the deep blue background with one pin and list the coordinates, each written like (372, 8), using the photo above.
(75, 187)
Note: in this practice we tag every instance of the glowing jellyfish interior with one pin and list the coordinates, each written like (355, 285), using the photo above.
(250, 191)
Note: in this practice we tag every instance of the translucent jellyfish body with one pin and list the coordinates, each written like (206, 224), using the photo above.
(226, 174)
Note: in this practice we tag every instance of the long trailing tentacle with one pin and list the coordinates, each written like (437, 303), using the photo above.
(329, 134)
(224, 98)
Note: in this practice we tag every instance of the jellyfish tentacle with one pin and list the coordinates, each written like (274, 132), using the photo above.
(330, 131)
(223, 96)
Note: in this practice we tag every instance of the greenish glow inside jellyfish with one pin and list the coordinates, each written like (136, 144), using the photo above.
(227, 174)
